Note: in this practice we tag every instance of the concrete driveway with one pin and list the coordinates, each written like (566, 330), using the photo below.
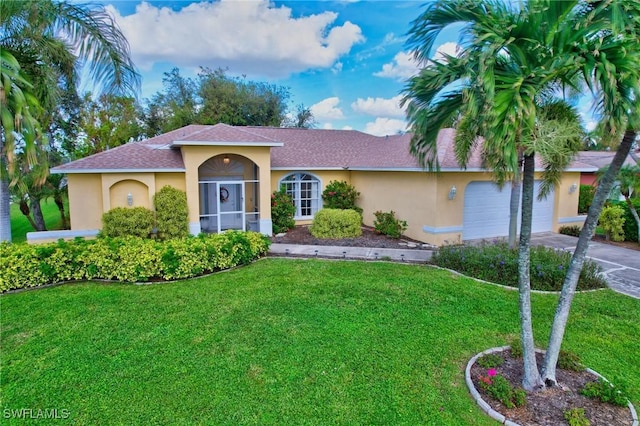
(621, 266)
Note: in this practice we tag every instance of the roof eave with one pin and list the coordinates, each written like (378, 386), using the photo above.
(220, 143)
(94, 171)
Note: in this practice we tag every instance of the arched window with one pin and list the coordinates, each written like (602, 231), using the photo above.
(305, 191)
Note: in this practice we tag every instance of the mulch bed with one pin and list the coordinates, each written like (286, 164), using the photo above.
(547, 407)
(301, 235)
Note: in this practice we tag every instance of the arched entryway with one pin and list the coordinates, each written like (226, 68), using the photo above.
(229, 191)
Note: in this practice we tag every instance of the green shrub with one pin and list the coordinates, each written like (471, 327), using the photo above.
(585, 198)
(499, 264)
(341, 195)
(386, 223)
(172, 213)
(612, 222)
(336, 223)
(282, 211)
(576, 417)
(490, 361)
(606, 392)
(127, 259)
(573, 230)
(500, 388)
(127, 222)
(630, 226)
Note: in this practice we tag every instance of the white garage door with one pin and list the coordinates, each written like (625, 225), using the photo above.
(486, 211)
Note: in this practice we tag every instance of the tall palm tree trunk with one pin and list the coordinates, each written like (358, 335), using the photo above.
(36, 210)
(634, 213)
(577, 261)
(514, 203)
(531, 379)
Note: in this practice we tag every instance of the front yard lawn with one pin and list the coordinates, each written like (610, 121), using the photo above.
(284, 342)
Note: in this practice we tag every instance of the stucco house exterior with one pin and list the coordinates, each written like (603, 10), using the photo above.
(229, 174)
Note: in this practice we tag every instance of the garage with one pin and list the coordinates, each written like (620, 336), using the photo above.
(486, 211)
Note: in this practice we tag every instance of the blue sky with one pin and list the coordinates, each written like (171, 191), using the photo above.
(346, 60)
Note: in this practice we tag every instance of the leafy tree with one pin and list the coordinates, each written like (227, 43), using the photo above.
(105, 123)
(44, 45)
(511, 56)
(214, 97)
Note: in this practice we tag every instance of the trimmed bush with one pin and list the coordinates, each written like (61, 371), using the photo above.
(387, 224)
(499, 264)
(573, 230)
(282, 211)
(585, 198)
(127, 222)
(127, 259)
(612, 221)
(172, 213)
(336, 223)
(630, 227)
(341, 195)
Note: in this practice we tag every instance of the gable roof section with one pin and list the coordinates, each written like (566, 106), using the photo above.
(291, 149)
(599, 159)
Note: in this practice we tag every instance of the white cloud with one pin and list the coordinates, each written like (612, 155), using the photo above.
(327, 109)
(379, 106)
(385, 126)
(405, 66)
(252, 37)
(402, 67)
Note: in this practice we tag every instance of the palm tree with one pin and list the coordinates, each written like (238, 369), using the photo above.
(510, 57)
(16, 103)
(47, 43)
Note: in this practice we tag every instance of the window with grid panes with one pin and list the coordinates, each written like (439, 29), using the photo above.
(304, 189)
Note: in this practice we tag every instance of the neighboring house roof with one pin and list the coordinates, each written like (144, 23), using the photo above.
(291, 149)
(600, 159)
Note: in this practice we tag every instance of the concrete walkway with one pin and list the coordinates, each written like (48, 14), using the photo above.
(621, 266)
(364, 253)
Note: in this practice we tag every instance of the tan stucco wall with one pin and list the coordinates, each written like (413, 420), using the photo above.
(566, 208)
(116, 186)
(175, 180)
(85, 201)
(194, 156)
(410, 195)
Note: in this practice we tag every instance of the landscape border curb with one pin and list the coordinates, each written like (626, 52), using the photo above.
(500, 417)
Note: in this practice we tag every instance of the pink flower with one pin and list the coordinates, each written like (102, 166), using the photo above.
(491, 372)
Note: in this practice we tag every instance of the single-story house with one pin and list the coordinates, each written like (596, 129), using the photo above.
(229, 174)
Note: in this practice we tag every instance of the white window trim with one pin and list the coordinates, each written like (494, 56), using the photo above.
(285, 179)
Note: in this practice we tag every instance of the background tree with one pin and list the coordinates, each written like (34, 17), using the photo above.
(106, 122)
(214, 97)
(302, 119)
(52, 42)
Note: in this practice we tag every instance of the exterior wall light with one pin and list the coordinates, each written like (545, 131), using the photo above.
(129, 199)
(452, 192)
(226, 160)
(573, 188)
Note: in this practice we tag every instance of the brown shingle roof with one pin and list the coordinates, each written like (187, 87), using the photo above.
(301, 149)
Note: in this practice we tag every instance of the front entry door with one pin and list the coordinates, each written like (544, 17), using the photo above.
(221, 206)
(231, 205)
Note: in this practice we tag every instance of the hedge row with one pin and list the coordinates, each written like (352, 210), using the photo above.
(127, 259)
(499, 264)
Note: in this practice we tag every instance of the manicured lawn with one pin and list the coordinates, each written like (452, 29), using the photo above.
(20, 225)
(284, 342)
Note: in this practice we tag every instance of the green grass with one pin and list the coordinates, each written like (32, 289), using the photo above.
(20, 225)
(285, 342)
